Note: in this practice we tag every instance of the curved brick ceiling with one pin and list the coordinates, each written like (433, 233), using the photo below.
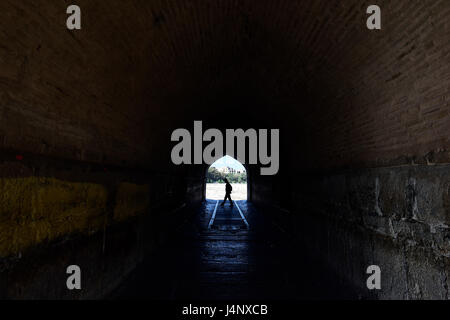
(113, 91)
(374, 103)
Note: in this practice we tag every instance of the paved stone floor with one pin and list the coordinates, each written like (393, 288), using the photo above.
(216, 191)
(230, 261)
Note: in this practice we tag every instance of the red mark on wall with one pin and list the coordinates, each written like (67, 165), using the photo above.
(19, 157)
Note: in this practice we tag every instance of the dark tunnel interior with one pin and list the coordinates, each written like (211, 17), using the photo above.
(86, 176)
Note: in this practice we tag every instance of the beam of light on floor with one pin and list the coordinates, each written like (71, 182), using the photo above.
(213, 216)
(242, 215)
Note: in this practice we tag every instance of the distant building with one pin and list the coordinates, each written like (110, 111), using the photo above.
(227, 170)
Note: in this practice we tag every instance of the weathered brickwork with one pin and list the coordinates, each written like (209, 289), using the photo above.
(107, 97)
(397, 218)
(361, 97)
(105, 220)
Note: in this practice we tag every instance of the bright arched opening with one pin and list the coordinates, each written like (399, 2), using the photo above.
(230, 169)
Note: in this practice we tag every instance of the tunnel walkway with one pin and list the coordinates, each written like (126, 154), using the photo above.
(226, 259)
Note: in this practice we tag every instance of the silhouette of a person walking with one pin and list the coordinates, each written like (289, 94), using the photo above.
(228, 189)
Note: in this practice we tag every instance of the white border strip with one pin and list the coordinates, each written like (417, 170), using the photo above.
(242, 215)
(213, 216)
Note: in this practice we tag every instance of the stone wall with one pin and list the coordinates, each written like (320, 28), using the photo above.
(57, 213)
(394, 217)
(86, 118)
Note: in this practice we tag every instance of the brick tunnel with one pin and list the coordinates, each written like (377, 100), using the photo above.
(86, 176)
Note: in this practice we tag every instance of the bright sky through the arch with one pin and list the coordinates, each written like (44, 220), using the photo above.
(228, 161)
